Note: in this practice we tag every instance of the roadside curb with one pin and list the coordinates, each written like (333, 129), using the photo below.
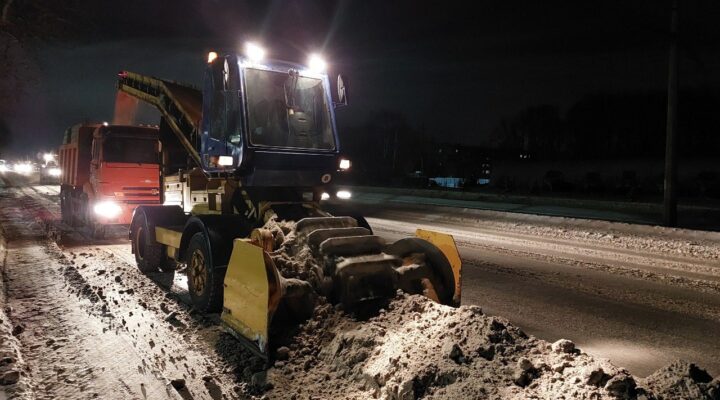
(14, 382)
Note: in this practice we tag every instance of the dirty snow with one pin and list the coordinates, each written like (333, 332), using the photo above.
(92, 325)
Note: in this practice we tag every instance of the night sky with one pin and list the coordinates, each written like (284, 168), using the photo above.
(453, 69)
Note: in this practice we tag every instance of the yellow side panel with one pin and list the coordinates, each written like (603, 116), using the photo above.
(446, 244)
(168, 237)
(245, 303)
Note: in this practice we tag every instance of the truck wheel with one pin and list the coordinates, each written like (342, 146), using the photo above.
(148, 254)
(85, 213)
(98, 231)
(205, 281)
(65, 215)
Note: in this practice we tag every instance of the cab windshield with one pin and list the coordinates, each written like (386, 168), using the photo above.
(287, 111)
(130, 150)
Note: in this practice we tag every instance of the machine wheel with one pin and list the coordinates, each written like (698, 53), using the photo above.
(205, 281)
(148, 254)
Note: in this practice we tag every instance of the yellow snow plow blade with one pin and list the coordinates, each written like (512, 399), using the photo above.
(446, 244)
(251, 295)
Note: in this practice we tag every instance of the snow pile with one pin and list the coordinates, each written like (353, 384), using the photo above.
(420, 349)
(292, 256)
(682, 380)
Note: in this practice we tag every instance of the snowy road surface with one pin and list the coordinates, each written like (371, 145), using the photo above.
(91, 326)
(639, 295)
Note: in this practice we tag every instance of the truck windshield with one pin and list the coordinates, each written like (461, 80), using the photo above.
(130, 150)
(285, 111)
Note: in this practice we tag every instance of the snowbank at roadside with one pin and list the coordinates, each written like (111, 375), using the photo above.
(12, 367)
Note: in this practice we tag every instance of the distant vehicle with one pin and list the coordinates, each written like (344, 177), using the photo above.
(50, 173)
(24, 167)
(107, 171)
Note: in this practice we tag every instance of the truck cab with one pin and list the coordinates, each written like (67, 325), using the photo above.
(108, 170)
(271, 123)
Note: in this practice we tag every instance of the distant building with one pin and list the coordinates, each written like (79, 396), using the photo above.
(456, 165)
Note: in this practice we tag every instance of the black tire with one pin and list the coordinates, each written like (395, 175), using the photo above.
(65, 212)
(98, 231)
(85, 213)
(149, 255)
(205, 281)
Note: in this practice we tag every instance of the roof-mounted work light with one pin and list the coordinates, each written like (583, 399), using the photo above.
(254, 52)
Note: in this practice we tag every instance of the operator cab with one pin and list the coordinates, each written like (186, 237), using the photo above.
(271, 123)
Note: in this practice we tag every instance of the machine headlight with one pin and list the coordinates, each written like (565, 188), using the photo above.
(225, 161)
(317, 63)
(108, 209)
(324, 196)
(3, 168)
(254, 52)
(344, 164)
(54, 172)
(343, 194)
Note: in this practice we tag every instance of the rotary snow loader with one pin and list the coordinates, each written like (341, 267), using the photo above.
(257, 147)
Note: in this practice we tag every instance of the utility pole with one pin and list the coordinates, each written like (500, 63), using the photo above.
(670, 200)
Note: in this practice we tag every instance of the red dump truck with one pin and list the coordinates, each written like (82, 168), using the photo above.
(107, 171)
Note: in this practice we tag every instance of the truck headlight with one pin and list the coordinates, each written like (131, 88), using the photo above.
(108, 209)
(54, 172)
(343, 194)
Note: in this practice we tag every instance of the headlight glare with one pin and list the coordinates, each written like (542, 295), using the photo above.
(108, 209)
(344, 164)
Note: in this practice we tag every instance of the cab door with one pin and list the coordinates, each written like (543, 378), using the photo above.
(222, 114)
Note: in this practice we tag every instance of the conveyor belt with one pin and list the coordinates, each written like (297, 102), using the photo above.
(181, 105)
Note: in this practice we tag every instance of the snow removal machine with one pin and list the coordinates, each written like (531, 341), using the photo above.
(245, 163)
